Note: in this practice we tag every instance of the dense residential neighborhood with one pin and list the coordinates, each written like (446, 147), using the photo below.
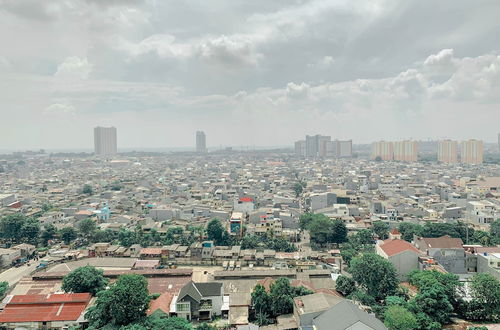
(247, 240)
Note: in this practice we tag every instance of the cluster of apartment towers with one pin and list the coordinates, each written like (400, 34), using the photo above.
(105, 141)
(323, 146)
(471, 151)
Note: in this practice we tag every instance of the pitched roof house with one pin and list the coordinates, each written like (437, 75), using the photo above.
(199, 301)
(37, 311)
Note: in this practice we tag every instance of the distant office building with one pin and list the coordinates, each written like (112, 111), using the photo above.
(406, 151)
(471, 152)
(300, 148)
(105, 141)
(201, 142)
(382, 150)
(447, 151)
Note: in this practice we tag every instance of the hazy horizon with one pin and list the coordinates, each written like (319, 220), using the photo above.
(263, 73)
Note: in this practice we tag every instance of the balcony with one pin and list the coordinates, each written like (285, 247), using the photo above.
(205, 305)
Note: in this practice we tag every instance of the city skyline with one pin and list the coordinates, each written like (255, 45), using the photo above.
(290, 70)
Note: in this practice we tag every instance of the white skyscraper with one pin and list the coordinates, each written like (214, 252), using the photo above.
(105, 141)
(201, 142)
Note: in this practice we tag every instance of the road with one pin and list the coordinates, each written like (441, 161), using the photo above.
(13, 275)
(305, 242)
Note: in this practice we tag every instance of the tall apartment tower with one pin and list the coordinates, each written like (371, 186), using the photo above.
(406, 151)
(317, 145)
(447, 151)
(105, 141)
(201, 142)
(382, 149)
(300, 148)
(471, 152)
(344, 148)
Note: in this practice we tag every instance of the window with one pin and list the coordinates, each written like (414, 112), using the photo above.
(182, 307)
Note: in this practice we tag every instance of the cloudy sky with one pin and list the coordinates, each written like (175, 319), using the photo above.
(257, 72)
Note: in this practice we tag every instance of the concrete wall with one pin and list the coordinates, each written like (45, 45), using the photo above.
(483, 266)
(453, 260)
(404, 263)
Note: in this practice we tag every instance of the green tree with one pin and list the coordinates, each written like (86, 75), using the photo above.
(347, 255)
(449, 282)
(261, 302)
(345, 285)
(17, 228)
(170, 323)
(85, 279)
(408, 229)
(306, 218)
(215, 231)
(495, 231)
(250, 242)
(339, 232)
(4, 287)
(87, 228)
(205, 326)
(375, 275)
(279, 244)
(281, 294)
(485, 290)
(362, 237)
(432, 301)
(298, 188)
(399, 318)
(87, 189)
(363, 298)
(381, 229)
(323, 231)
(46, 207)
(68, 234)
(49, 232)
(440, 229)
(125, 302)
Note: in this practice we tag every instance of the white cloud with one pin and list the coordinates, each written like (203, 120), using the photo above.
(59, 110)
(230, 50)
(74, 68)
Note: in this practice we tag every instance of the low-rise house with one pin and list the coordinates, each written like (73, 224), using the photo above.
(26, 250)
(52, 311)
(446, 250)
(346, 315)
(151, 253)
(403, 255)
(326, 311)
(199, 301)
(7, 256)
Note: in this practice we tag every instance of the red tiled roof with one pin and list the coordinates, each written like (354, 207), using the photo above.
(162, 303)
(44, 308)
(395, 231)
(246, 199)
(394, 246)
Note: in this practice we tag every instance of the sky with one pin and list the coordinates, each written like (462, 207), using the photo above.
(248, 73)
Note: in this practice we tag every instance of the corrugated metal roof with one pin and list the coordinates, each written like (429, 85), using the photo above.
(45, 308)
